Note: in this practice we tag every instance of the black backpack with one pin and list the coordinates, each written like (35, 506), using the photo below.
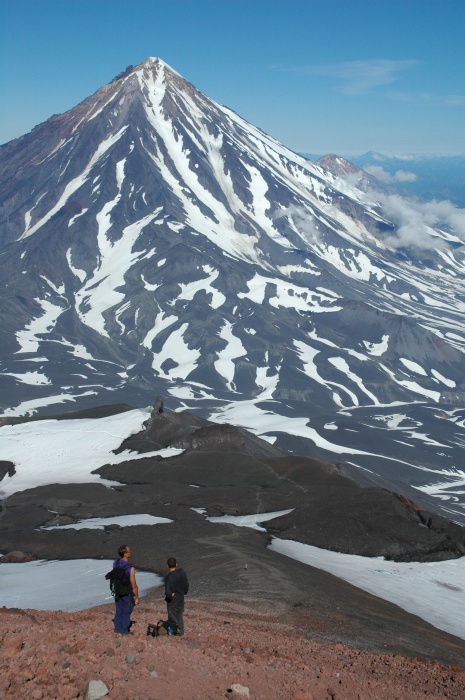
(163, 627)
(119, 583)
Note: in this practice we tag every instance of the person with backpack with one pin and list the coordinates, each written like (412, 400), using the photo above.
(176, 587)
(126, 591)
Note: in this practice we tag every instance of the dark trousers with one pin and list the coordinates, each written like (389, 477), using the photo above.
(175, 611)
(124, 608)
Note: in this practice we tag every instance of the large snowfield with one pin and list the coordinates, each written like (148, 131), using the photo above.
(47, 452)
(68, 451)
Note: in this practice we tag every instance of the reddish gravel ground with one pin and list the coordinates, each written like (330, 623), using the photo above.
(230, 649)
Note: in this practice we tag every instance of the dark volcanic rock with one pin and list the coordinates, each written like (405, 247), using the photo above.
(189, 432)
(236, 471)
(162, 429)
(6, 468)
(371, 522)
(225, 470)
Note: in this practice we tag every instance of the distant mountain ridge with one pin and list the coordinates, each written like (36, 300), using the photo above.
(426, 176)
(153, 241)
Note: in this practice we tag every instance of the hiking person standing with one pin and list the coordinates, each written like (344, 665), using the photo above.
(176, 587)
(125, 601)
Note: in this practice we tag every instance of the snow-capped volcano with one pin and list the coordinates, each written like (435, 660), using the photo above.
(153, 241)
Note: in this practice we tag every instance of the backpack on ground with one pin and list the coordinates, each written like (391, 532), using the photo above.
(162, 628)
(119, 582)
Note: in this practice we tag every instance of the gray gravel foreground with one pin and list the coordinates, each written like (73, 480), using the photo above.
(271, 651)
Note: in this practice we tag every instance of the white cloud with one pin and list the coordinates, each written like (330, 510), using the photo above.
(357, 180)
(404, 176)
(381, 174)
(416, 221)
(457, 100)
(302, 220)
(359, 76)
(404, 156)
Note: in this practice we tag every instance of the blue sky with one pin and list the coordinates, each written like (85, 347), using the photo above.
(343, 76)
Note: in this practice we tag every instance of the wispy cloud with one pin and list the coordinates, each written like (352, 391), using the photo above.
(458, 100)
(415, 221)
(383, 175)
(302, 220)
(358, 77)
(455, 100)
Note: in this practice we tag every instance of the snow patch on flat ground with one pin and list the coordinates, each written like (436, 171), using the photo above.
(434, 590)
(63, 585)
(121, 520)
(253, 521)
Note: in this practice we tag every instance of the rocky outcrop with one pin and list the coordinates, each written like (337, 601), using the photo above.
(226, 470)
(189, 432)
(6, 469)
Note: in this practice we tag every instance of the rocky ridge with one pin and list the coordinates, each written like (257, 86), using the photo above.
(232, 649)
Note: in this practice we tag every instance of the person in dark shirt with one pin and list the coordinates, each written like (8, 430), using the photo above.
(176, 587)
